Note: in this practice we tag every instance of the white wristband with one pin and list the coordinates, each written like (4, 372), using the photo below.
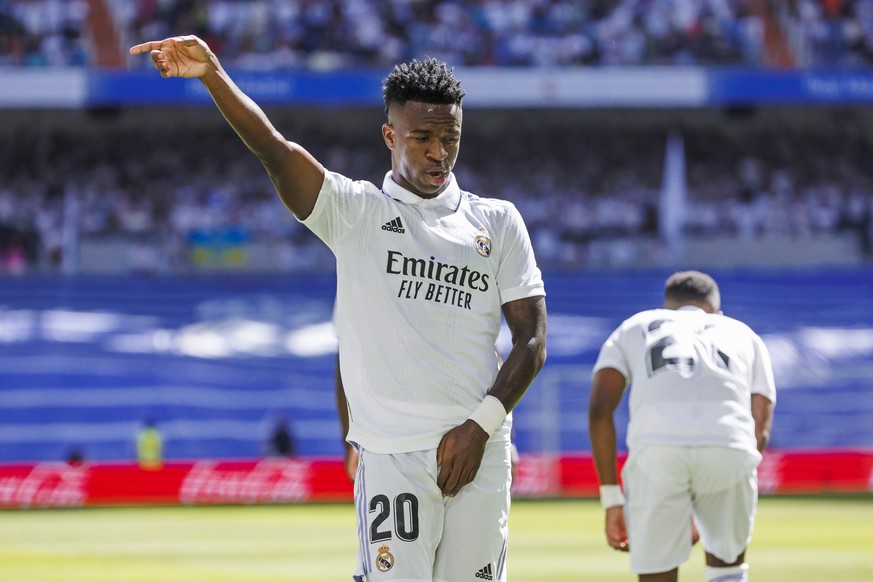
(489, 415)
(611, 496)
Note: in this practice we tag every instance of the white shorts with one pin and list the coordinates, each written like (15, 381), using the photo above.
(407, 530)
(666, 485)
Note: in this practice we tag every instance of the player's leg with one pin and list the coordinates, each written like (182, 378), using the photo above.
(726, 497)
(658, 511)
(720, 571)
(399, 515)
(671, 576)
(473, 547)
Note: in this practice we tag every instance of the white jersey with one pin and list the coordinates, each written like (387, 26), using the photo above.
(692, 375)
(420, 284)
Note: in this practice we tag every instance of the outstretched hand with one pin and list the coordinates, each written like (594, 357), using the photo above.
(459, 455)
(179, 56)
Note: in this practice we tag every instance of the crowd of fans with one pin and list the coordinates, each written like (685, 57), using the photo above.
(44, 33)
(340, 33)
(584, 189)
(326, 34)
(319, 34)
(832, 33)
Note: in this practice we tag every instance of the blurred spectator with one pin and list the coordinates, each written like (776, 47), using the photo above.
(281, 440)
(149, 446)
(75, 456)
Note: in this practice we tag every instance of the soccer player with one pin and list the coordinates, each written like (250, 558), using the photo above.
(701, 410)
(424, 271)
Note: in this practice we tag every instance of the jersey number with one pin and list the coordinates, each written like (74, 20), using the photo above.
(658, 362)
(405, 517)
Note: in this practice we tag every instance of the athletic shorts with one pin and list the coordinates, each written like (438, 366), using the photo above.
(666, 485)
(408, 531)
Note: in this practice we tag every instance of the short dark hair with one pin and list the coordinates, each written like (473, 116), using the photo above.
(692, 286)
(427, 81)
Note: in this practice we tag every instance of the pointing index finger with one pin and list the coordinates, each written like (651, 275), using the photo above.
(145, 47)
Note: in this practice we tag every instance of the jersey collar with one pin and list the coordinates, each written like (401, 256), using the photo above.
(689, 308)
(450, 197)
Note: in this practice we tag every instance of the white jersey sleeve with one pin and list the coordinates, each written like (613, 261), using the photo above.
(612, 356)
(518, 276)
(341, 204)
(762, 381)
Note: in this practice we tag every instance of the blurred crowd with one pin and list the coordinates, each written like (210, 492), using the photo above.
(266, 34)
(44, 33)
(320, 34)
(831, 33)
(586, 191)
(328, 34)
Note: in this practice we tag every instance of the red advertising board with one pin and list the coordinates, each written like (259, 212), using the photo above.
(247, 482)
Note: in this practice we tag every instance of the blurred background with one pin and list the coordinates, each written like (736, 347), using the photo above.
(165, 322)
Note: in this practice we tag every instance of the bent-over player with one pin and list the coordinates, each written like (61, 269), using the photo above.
(701, 410)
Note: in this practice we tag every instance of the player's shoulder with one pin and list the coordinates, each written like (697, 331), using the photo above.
(494, 211)
(341, 182)
(734, 324)
(485, 204)
(648, 317)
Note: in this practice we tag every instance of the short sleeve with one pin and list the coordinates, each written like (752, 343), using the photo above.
(518, 276)
(763, 382)
(612, 356)
(339, 207)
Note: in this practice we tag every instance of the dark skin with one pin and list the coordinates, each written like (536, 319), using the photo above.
(461, 449)
(606, 393)
(342, 408)
(424, 140)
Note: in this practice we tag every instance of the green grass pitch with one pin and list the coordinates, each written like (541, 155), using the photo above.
(808, 539)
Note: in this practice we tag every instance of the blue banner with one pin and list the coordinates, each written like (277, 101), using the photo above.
(343, 88)
(579, 87)
(804, 87)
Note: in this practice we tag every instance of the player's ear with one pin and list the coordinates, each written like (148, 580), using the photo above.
(389, 135)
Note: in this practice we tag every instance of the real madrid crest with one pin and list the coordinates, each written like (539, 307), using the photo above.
(384, 559)
(483, 243)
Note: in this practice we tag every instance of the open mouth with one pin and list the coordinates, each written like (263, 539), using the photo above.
(437, 177)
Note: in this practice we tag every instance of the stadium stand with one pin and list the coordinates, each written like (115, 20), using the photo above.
(331, 34)
(589, 189)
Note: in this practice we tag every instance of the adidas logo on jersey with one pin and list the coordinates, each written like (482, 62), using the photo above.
(485, 573)
(394, 226)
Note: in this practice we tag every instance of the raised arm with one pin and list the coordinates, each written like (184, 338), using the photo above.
(295, 174)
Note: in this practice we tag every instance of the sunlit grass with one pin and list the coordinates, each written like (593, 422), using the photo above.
(796, 540)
